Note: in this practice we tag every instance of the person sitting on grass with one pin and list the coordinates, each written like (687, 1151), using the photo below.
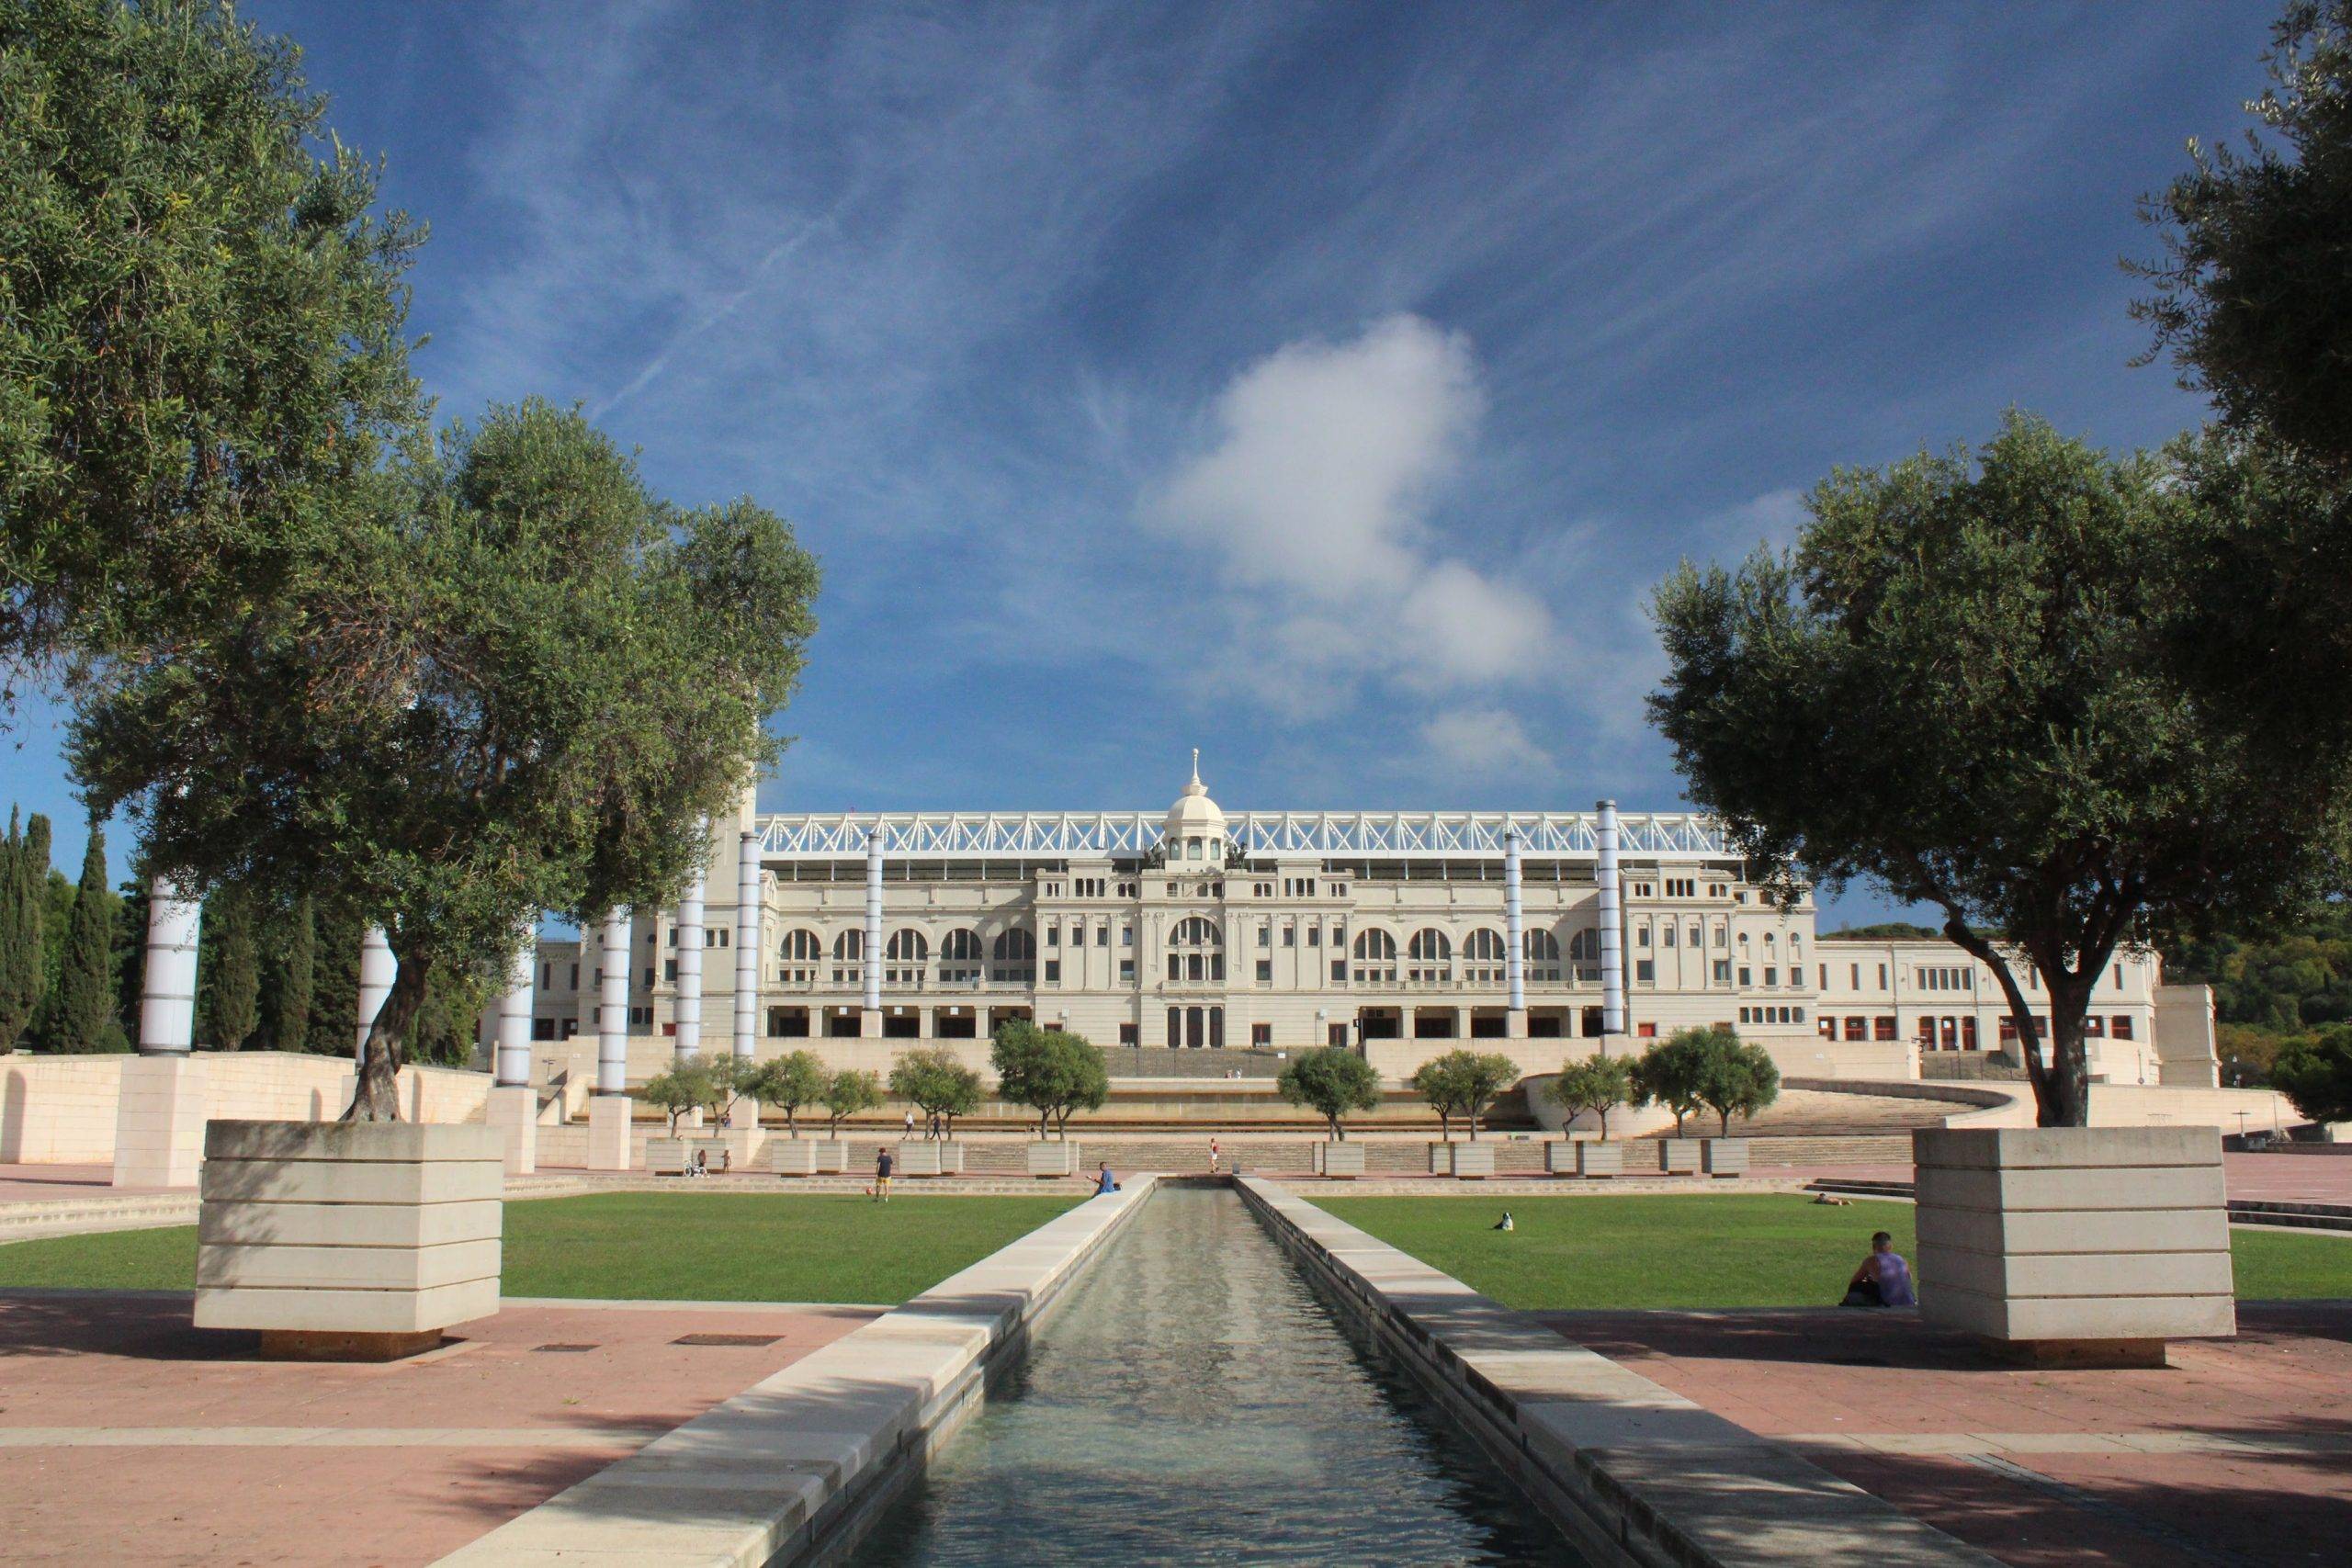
(1884, 1280)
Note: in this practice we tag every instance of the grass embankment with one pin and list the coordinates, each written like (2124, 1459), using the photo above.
(645, 1247)
(1608, 1253)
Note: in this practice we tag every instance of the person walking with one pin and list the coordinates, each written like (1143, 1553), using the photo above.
(911, 1123)
(1213, 1157)
(882, 1167)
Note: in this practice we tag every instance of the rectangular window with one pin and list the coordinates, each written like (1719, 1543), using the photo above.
(1053, 970)
(1053, 933)
(1723, 971)
(1127, 969)
(1645, 971)
(1882, 977)
(649, 976)
(1265, 970)
(1669, 936)
(1645, 1032)
(1883, 1027)
(1126, 1035)
(1313, 933)
(575, 976)
(1261, 1034)
(1746, 975)
(1338, 971)
(1824, 977)
(1771, 975)
(670, 969)
(1102, 936)
(1265, 936)
(1641, 936)
(1290, 936)
(2119, 1027)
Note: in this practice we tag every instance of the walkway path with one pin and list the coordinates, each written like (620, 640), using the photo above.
(2241, 1452)
(240, 1460)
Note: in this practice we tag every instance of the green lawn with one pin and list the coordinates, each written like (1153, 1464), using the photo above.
(645, 1247)
(1760, 1251)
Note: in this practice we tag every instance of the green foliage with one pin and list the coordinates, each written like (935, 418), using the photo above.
(2315, 1072)
(936, 1084)
(519, 684)
(789, 1082)
(683, 1087)
(1676, 1072)
(1885, 931)
(1597, 1084)
(334, 999)
(229, 967)
(24, 874)
(727, 1079)
(1974, 655)
(83, 1017)
(1463, 1083)
(293, 965)
(2281, 984)
(1333, 1080)
(2253, 295)
(847, 1093)
(131, 951)
(1739, 1080)
(1051, 1071)
(204, 321)
(443, 1032)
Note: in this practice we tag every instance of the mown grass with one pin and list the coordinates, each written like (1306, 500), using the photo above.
(1759, 1250)
(645, 1247)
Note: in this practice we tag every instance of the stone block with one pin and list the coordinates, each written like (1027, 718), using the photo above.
(1601, 1159)
(1442, 1159)
(2077, 1245)
(1340, 1161)
(1048, 1159)
(610, 1118)
(792, 1156)
(832, 1156)
(1472, 1162)
(665, 1156)
(1724, 1156)
(920, 1157)
(1678, 1156)
(356, 1239)
(159, 1121)
(951, 1156)
(514, 1113)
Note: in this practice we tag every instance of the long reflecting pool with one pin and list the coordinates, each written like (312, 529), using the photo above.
(1194, 1402)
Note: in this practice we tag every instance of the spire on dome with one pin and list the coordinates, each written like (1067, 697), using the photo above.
(1196, 786)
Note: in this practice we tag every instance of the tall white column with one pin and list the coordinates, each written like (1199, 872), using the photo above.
(513, 1061)
(1515, 934)
(377, 969)
(874, 920)
(747, 942)
(1613, 923)
(611, 1006)
(687, 1005)
(167, 988)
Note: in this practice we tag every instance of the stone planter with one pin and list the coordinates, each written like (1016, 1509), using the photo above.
(1053, 1159)
(743, 1142)
(2075, 1245)
(1724, 1156)
(919, 1158)
(1678, 1156)
(792, 1156)
(1472, 1162)
(666, 1156)
(1559, 1157)
(833, 1156)
(348, 1241)
(951, 1156)
(1339, 1161)
(1440, 1160)
(1601, 1159)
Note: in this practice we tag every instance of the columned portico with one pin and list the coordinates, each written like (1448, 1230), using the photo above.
(159, 1115)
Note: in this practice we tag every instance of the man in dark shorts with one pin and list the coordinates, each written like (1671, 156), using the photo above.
(882, 1164)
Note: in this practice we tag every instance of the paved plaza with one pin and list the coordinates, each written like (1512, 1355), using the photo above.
(237, 1460)
(2239, 1452)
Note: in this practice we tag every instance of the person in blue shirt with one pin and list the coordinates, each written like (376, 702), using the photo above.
(1103, 1180)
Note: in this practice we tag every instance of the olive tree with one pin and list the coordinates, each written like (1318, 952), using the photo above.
(1331, 1080)
(1958, 688)
(1051, 1071)
(1673, 1073)
(1463, 1083)
(1597, 1084)
(846, 1093)
(1738, 1080)
(519, 684)
(939, 1086)
(681, 1088)
(789, 1082)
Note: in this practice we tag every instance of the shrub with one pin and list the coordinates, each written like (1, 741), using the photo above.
(845, 1094)
(2315, 1072)
(1053, 1072)
(938, 1084)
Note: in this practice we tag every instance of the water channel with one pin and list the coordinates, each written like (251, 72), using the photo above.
(1195, 1402)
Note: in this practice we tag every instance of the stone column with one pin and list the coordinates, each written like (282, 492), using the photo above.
(514, 1106)
(869, 1023)
(1612, 921)
(609, 1109)
(159, 1110)
(1514, 939)
(687, 1005)
(377, 969)
(747, 943)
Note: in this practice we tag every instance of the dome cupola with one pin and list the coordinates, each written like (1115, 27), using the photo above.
(1196, 830)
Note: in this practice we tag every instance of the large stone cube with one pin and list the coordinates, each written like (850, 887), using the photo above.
(920, 1157)
(1472, 1162)
(1047, 1159)
(1601, 1159)
(355, 1240)
(1339, 1161)
(1678, 1156)
(2078, 1245)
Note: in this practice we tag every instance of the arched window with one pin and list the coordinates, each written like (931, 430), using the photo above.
(800, 951)
(1375, 953)
(1543, 952)
(1195, 931)
(1429, 946)
(1014, 954)
(960, 954)
(849, 955)
(1483, 946)
(1584, 947)
(906, 946)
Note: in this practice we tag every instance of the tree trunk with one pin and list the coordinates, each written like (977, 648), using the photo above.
(2069, 1102)
(1337, 1136)
(1723, 1131)
(1444, 1124)
(376, 1097)
(1601, 1111)
(2053, 1104)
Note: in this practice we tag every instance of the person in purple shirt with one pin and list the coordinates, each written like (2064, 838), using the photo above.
(1884, 1280)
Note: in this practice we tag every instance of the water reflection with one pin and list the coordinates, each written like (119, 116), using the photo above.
(1195, 1402)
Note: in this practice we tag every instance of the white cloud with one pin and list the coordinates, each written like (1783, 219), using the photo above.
(1481, 743)
(1315, 502)
(1771, 520)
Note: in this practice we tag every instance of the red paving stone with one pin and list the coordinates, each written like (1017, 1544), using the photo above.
(2285, 1380)
(131, 1363)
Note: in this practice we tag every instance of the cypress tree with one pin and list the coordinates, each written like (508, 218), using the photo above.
(334, 984)
(82, 1019)
(230, 960)
(291, 976)
(21, 958)
(130, 950)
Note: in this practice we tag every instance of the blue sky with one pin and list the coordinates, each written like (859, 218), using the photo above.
(1321, 386)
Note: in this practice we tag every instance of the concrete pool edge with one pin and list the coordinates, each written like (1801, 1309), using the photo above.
(1632, 1472)
(787, 1470)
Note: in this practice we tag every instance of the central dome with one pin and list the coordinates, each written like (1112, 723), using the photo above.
(1196, 830)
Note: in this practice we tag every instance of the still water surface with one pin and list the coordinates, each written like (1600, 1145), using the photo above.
(1194, 1402)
